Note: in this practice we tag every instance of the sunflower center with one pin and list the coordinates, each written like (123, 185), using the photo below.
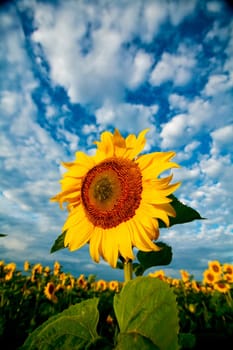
(111, 192)
(103, 189)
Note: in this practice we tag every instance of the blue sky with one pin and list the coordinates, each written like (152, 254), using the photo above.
(72, 69)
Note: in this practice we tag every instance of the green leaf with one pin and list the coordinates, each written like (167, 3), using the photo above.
(149, 259)
(59, 243)
(184, 213)
(74, 328)
(138, 269)
(147, 306)
(119, 265)
(134, 341)
(187, 340)
(2, 235)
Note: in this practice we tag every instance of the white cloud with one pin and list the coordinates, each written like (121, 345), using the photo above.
(212, 167)
(217, 33)
(222, 139)
(189, 151)
(9, 101)
(29, 156)
(201, 115)
(183, 174)
(154, 13)
(126, 117)
(70, 138)
(89, 128)
(177, 68)
(229, 50)
(178, 101)
(218, 83)
(93, 62)
(214, 6)
(15, 244)
(89, 72)
(178, 10)
(176, 132)
(140, 68)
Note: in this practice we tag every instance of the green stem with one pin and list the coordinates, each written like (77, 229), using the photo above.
(128, 270)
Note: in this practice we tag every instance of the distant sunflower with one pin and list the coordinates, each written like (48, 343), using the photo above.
(115, 197)
(215, 266)
(209, 277)
(49, 292)
(228, 268)
(222, 287)
(101, 285)
(158, 274)
(185, 276)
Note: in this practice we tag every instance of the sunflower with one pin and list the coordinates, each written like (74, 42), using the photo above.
(209, 277)
(115, 197)
(49, 292)
(158, 274)
(26, 266)
(228, 268)
(114, 286)
(56, 268)
(185, 276)
(215, 267)
(222, 287)
(101, 285)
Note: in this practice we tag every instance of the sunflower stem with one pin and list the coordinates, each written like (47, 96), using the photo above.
(128, 270)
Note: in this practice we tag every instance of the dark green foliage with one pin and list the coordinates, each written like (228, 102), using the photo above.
(184, 213)
(59, 243)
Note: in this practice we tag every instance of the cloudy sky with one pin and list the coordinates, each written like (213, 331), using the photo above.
(72, 69)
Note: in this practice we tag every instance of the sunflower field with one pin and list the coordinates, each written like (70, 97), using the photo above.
(29, 298)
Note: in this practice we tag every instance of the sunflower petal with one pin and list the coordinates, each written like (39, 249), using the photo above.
(109, 247)
(105, 147)
(139, 239)
(153, 164)
(75, 216)
(124, 242)
(78, 235)
(95, 244)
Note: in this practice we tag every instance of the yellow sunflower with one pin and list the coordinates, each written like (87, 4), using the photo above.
(209, 277)
(116, 197)
(49, 292)
(158, 274)
(215, 267)
(222, 287)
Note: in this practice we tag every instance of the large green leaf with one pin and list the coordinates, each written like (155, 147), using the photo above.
(134, 341)
(59, 243)
(74, 328)
(147, 307)
(184, 213)
(149, 259)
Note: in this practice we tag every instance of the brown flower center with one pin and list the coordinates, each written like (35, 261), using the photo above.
(215, 268)
(111, 192)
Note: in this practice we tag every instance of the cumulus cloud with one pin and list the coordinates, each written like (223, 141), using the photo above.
(93, 62)
(127, 117)
(201, 115)
(140, 68)
(176, 132)
(218, 83)
(222, 139)
(174, 67)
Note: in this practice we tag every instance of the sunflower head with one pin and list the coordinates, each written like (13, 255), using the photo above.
(116, 197)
